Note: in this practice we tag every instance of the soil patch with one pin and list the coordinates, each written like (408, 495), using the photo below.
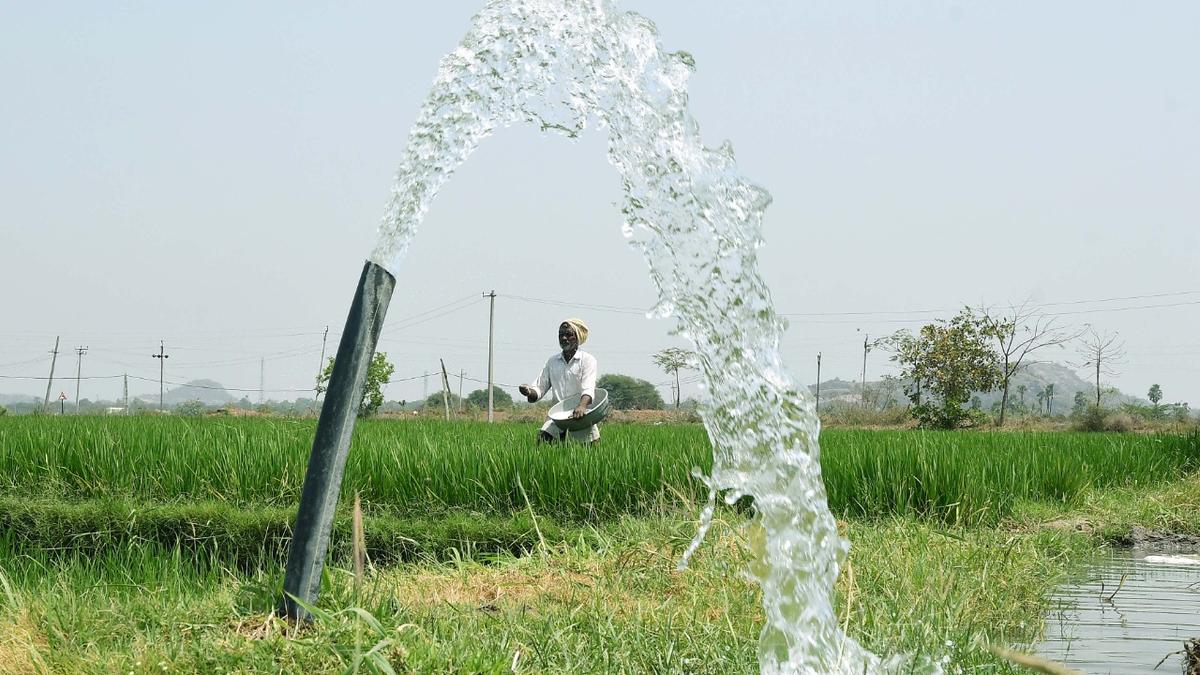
(1145, 539)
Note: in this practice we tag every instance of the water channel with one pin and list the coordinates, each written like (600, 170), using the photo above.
(1125, 614)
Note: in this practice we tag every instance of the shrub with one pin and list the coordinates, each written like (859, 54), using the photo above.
(1092, 419)
(191, 408)
(1120, 422)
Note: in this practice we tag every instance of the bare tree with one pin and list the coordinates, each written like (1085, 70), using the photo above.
(1101, 351)
(1017, 333)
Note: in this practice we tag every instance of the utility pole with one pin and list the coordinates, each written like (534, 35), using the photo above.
(127, 410)
(461, 373)
(320, 369)
(425, 386)
(491, 343)
(262, 379)
(80, 351)
(818, 382)
(162, 357)
(46, 403)
(866, 348)
(445, 389)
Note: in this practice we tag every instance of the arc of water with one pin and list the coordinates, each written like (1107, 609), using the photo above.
(560, 64)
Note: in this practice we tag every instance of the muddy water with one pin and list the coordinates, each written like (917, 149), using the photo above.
(1094, 630)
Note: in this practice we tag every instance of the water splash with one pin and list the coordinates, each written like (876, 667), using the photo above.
(561, 64)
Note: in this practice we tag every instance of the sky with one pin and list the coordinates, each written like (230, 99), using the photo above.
(212, 175)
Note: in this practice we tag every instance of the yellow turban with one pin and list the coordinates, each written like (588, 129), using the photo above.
(581, 329)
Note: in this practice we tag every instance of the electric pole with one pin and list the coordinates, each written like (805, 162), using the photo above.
(262, 379)
(818, 382)
(461, 373)
(425, 386)
(127, 410)
(491, 342)
(49, 382)
(866, 348)
(320, 368)
(80, 351)
(162, 357)
(445, 389)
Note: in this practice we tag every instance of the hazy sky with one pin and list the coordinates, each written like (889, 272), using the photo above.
(213, 174)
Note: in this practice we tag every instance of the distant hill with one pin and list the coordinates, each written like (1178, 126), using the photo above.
(1066, 382)
(208, 392)
(1034, 377)
(9, 399)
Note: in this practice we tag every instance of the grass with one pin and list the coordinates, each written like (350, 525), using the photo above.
(610, 602)
(419, 467)
(150, 545)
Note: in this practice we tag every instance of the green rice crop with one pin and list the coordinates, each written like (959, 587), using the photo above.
(427, 467)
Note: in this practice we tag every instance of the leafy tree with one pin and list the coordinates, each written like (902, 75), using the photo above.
(500, 398)
(1080, 404)
(1021, 390)
(434, 402)
(672, 360)
(1155, 395)
(1041, 397)
(952, 360)
(191, 408)
(1050, 399)
(378, 373)
(630, 393)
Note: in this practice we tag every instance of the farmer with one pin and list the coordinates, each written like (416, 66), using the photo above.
(571, 372)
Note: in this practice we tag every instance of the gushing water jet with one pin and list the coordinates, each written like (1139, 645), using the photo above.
(561, 65)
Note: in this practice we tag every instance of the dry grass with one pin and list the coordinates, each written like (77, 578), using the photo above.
(21, 645)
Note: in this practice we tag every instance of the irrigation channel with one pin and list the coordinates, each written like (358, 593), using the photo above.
(1129, 614)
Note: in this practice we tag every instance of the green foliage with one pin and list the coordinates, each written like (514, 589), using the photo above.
(434, 403)
(1080, 404)
(1092, 419)
(1155, 394)
(3, 411)
(945, 363)
(378, 373)
(191, 408)
(630, 393)
(500, 399)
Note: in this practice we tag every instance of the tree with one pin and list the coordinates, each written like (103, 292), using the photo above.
(500, 398)
(378, 373)
(1020, 390)
(191, 408)
(953, 360)
(1080, 403)
(671, 360)
(1050, 399)
(1041, 397)
(630, 393)
(434, 402)
(1155, 395)
(1016, 334)
(1101, 351)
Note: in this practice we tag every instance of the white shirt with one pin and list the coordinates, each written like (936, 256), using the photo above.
(564, 380)
(567, 379)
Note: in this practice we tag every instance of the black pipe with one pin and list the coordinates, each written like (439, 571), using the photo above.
(323, 479)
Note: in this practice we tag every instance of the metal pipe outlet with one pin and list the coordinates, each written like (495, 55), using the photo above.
(323, 479)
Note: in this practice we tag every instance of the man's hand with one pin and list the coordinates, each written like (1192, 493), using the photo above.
(528, 392)
(581, 409)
